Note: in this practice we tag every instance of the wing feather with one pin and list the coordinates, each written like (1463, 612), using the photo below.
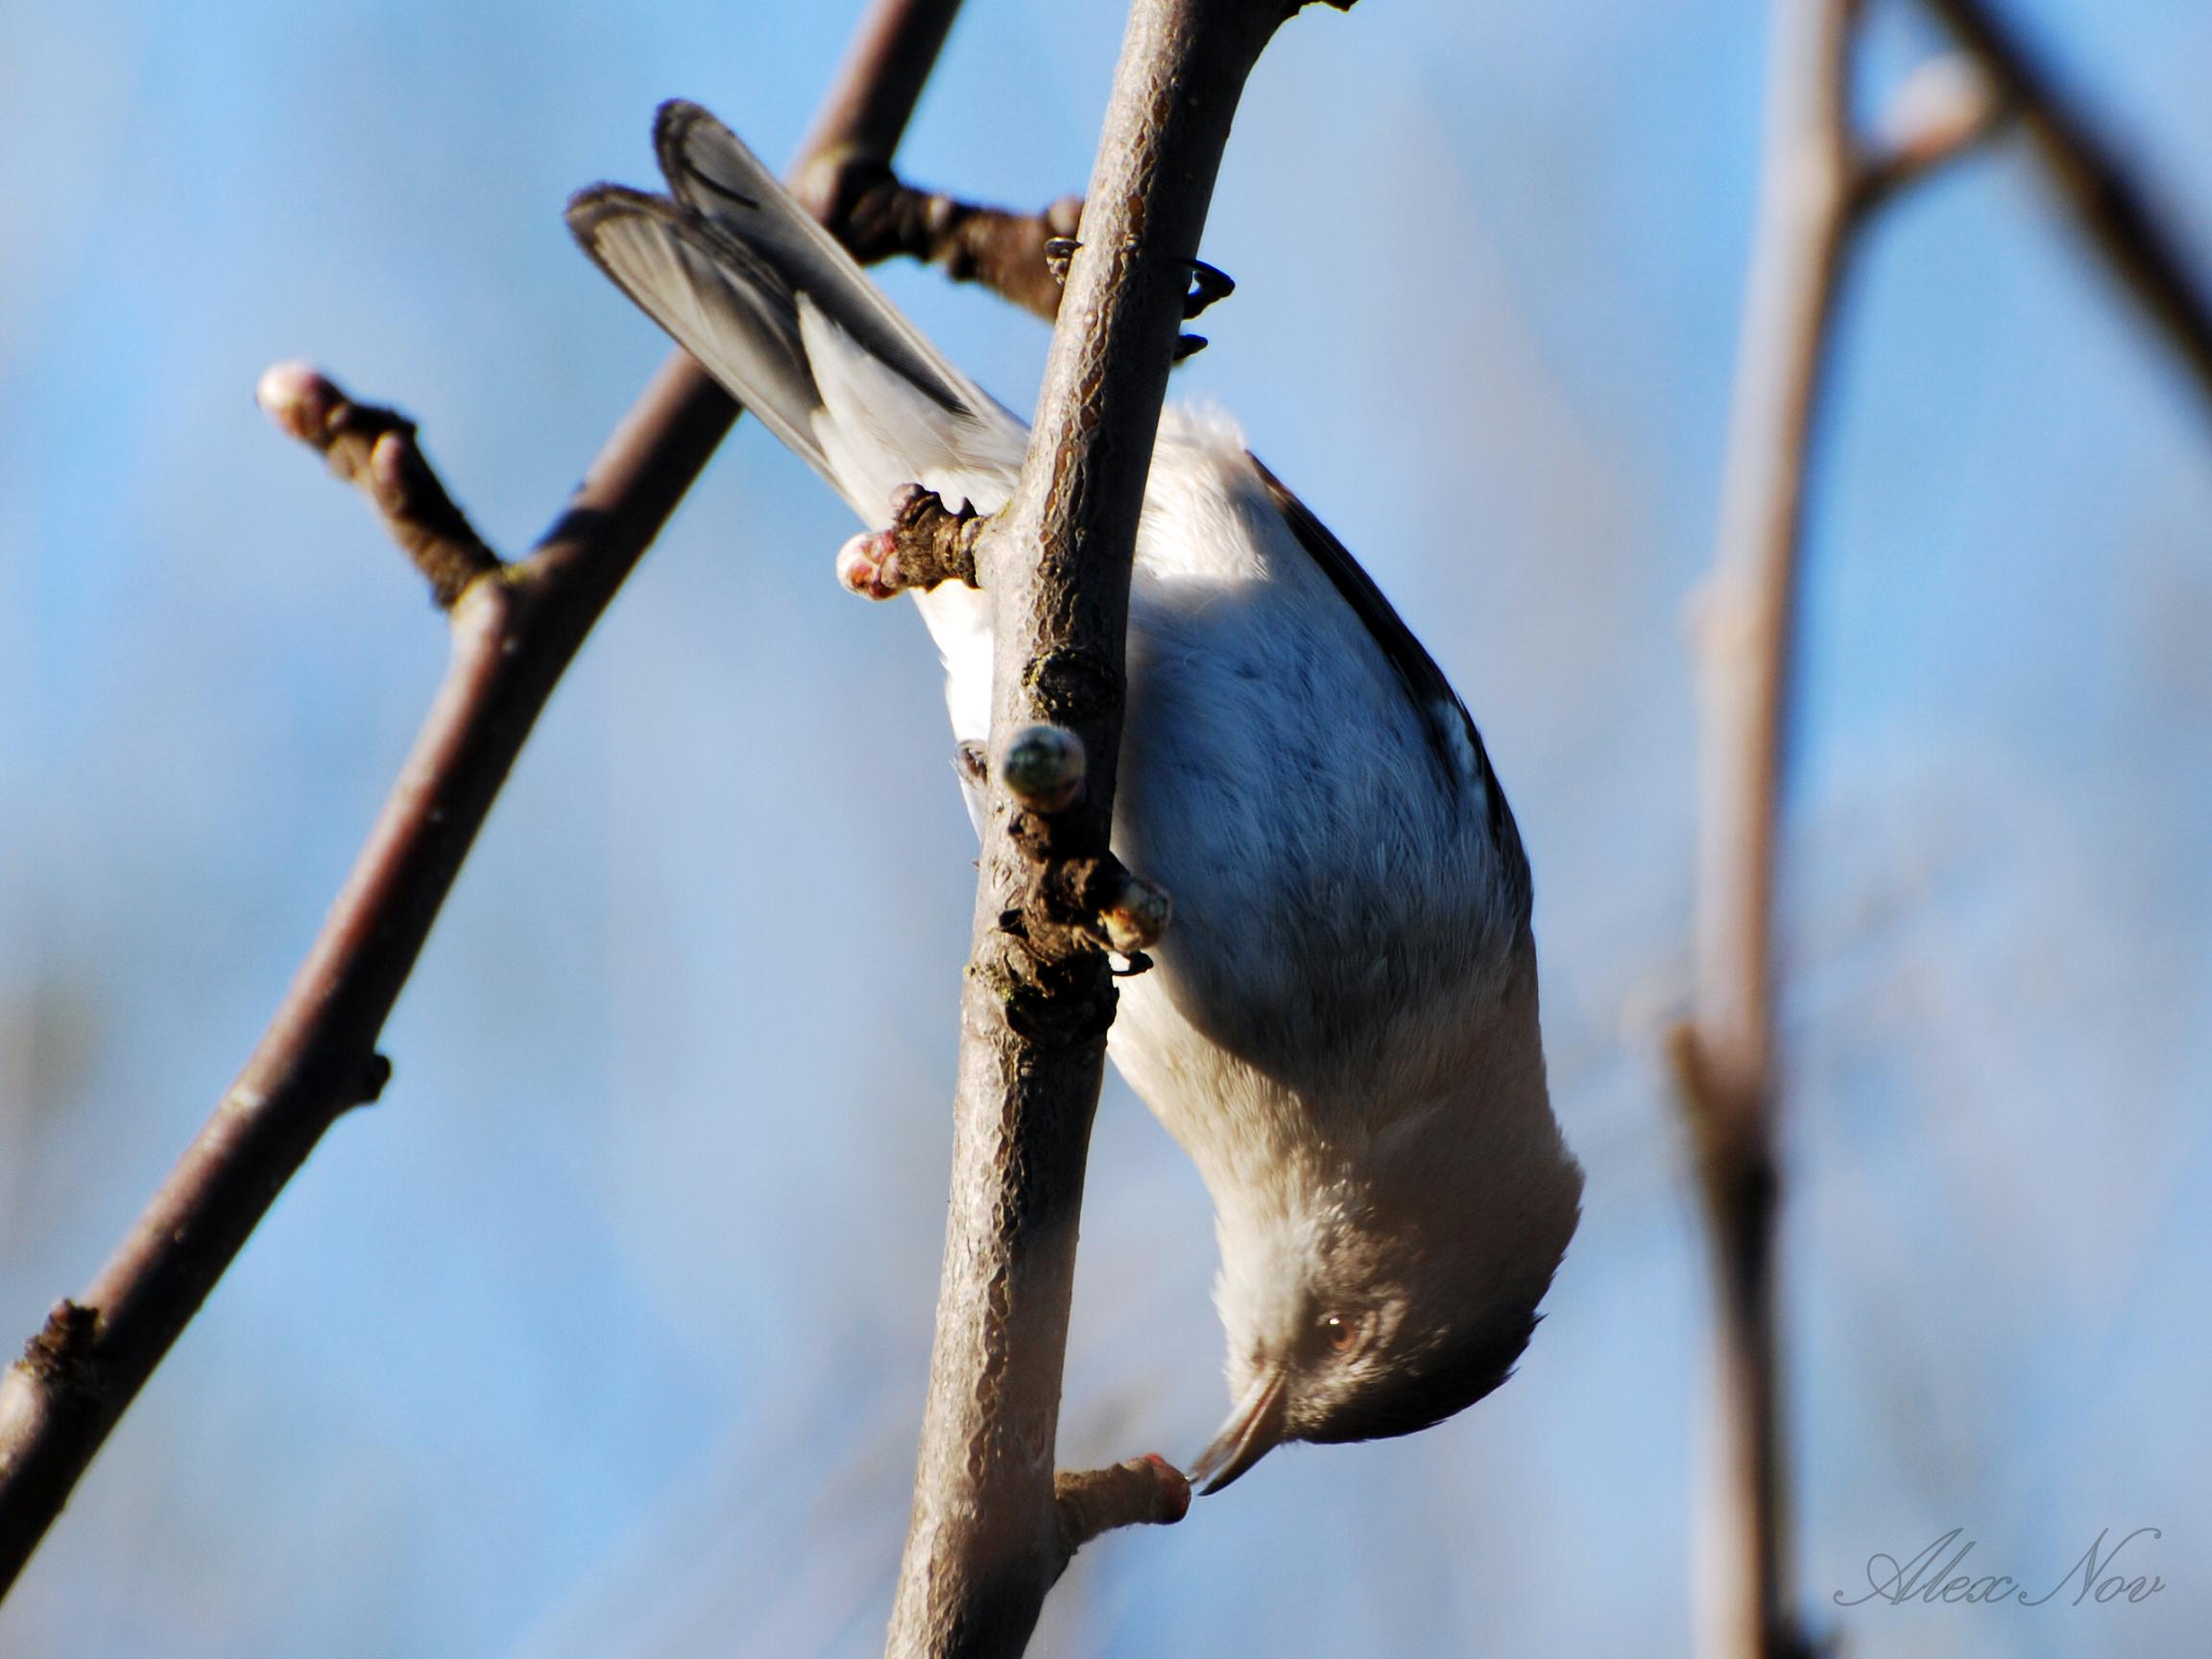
(1456, 743)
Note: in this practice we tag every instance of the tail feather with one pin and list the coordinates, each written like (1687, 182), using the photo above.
(724, 306)
(775, 310)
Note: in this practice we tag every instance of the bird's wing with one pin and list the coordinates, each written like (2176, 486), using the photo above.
(711, 172)
(1456, 743)
(763, 297)
(722, 303)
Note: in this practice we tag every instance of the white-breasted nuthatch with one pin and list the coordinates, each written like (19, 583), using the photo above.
(1340, 1027)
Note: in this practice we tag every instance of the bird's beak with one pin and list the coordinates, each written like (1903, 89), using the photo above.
(1253, 1431)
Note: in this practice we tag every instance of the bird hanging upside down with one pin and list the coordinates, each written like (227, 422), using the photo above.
(1341, 1026)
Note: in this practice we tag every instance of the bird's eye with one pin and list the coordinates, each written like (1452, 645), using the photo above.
(1340, 1333)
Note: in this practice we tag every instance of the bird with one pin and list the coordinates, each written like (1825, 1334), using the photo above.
(1341, 1026)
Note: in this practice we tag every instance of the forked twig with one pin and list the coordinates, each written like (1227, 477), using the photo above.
(1822, 187)
(514, 628)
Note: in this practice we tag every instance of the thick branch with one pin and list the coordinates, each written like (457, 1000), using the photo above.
(512, 638)
(984, 1544)
(2112, 210)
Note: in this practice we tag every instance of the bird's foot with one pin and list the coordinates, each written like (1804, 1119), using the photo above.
(927, 543)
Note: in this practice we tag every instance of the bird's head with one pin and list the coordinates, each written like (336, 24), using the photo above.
(1396, 1282)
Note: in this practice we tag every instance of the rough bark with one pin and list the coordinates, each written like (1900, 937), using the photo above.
(984, 1546)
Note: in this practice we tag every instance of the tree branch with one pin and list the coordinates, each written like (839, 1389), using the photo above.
(1022, 257)
(1141, 1492)
(984, 1546)
(512, 638)
(879, 216)
(1723, 1057)
(2111, 209)
(375, 451)
(1819, 189)
(1944, 108)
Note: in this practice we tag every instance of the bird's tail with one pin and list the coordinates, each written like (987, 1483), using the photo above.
(775, 310)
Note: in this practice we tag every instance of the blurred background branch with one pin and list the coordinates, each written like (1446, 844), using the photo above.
(513, 639)
(1723, 1057)
(1820, 184)
(2111, 207)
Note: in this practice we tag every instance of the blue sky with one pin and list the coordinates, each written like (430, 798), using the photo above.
(606, 1329)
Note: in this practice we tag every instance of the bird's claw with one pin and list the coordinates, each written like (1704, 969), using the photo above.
(1208, 283)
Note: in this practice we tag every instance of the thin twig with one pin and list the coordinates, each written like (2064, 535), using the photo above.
(1944, 108)
(513, 636)
(927, 543)
(1020, 256)
(2112, 210)
(984, 1546)
(1141, 1492)
(879, 216)
(375, 451)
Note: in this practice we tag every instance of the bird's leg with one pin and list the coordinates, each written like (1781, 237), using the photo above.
(927, 543)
